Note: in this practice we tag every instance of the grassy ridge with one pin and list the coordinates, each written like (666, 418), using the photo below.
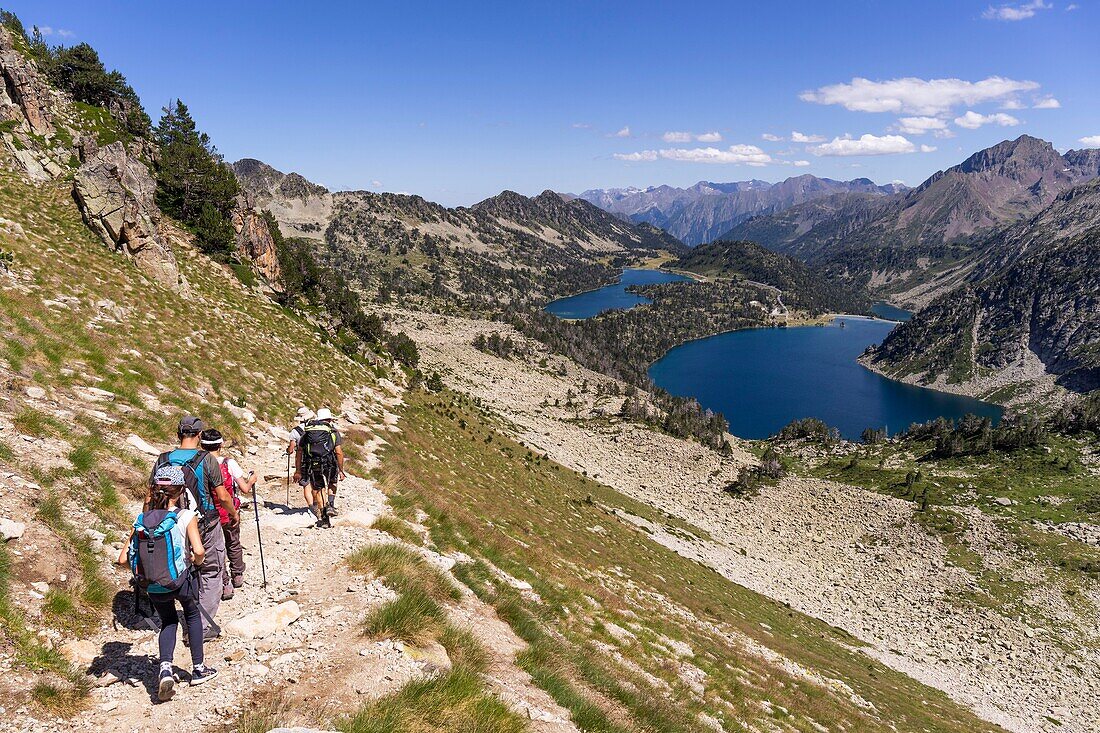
(622, 631)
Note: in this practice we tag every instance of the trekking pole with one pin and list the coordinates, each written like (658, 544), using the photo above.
(259, 538)
(288, 481)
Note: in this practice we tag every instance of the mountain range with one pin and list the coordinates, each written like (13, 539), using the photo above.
(703, 212)
(507, 249)
(913, 245)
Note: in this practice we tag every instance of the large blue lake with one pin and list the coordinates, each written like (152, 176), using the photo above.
(890, 312)
(610, 297)
(761, 379)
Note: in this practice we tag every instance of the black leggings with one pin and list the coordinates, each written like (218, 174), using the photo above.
(165, 605)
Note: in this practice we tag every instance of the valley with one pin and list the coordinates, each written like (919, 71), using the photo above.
(811, 456)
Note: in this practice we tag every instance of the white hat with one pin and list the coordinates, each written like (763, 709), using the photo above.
(304, 413)
(324, 414)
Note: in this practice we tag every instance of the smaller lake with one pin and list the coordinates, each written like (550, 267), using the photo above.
(890, 313)
(611, 297)
(763, 378)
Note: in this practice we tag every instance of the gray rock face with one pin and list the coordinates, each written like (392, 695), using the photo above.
(114, 191)
(254, 240)
(25, 95)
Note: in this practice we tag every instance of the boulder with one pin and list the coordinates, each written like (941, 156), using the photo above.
(80, 652)
(266, 621)
(255, 242)
(355, 518)
(11, 530)
(136, 442)
(433, 656)
(114, 191)
(35, 393)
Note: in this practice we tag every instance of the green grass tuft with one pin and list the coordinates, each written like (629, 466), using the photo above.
(414, 617)
(398, 528)
(404, 569)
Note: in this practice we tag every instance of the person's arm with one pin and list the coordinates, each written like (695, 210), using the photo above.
(245, 482)
(124, 556)
(340, 462)
(198, 552)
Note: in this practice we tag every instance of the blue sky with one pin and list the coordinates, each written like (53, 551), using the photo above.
(457, 102)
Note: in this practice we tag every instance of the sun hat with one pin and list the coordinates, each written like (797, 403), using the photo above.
(324, 414)
(304, 413)
(169, 476)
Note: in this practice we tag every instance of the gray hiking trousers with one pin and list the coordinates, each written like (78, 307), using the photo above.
(210, 572)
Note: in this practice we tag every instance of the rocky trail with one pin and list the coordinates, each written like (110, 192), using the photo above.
(297, 641)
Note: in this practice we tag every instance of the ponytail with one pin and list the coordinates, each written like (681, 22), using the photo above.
(164, 496)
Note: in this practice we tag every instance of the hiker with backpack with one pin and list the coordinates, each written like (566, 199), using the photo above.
(303, 416)
(163, 550)
(319, 458)
(204, 492)
(235, 480)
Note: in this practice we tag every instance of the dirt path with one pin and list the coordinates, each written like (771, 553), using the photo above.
(319, 664)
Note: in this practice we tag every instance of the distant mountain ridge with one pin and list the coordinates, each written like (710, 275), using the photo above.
(703, 212)
(903, 244)
(506, 249)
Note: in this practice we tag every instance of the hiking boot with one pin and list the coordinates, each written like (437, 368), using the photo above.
(211, 634)
(227, 593)
(166, 687)
(238, 581)
(332, 511)
(198, 676)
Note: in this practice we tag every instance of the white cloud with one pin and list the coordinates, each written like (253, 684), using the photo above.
(1091, 141)
(916, 96)
(46, 30)
(798, 137)
(928, 148)
(771, 138)
(1072, 6)
(1013, 104)
(65, 33)
(376, 184)
(1047, 103)
(865, 145)
(624, 132)
(1015, 12)
(800, 163)
(736, 154)
(920, 125)
(581, 126)
(972, 120)
(686, 137)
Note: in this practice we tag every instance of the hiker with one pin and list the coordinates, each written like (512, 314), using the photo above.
(321, 458)
(303, 416)
(235, 479)
(205, 491)
(163, 549)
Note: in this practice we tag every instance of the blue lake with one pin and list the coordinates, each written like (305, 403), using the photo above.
(611, 297)
(890, 313)
(761, 379)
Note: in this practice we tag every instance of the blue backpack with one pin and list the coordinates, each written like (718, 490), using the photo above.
(158, 551)
(192, 461)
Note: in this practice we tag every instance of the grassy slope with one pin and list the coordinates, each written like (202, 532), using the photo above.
(221, 343)
(597, 575)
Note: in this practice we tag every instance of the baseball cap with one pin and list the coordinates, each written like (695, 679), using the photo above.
(191, 425)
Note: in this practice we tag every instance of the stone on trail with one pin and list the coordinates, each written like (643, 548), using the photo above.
(141, 445)
(80, 652)
(35, 393)
(433, 656)
(299, 730)
(266, 621)
(11, 530)
(355, 518)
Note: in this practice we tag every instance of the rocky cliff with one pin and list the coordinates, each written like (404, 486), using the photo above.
(1025, 323)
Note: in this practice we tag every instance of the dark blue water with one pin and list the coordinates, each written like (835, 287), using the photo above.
(610, 297)
(761, 379)
(890, 313)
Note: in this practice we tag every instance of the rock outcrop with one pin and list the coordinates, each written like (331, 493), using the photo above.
(25, 96)
(255, 242)
(114, 191)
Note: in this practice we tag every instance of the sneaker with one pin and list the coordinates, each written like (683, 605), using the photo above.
(227, 593)
(204, 675)
(166, 687)
(238, 581)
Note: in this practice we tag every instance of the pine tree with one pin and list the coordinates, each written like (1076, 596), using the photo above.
(193, 183)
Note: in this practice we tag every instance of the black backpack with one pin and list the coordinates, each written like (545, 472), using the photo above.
(318, 442)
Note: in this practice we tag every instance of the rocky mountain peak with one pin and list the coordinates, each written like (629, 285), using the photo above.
(1014, 158)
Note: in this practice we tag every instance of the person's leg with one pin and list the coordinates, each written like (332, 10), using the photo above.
(235, 552)
(193, 617)
(333, 478)
(165, 606)
(210, 574)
